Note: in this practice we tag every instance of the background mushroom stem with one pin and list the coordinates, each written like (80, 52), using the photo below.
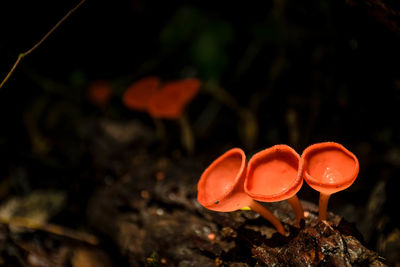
(297, 207)
(323, 205)
(187, 137)
(160, 129)
(257, 207)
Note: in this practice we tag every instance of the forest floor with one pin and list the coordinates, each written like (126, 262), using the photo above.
(146, 214)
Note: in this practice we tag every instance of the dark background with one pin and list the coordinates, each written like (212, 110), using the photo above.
(308, 72)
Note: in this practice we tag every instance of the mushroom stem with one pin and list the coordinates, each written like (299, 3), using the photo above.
(323, 205)
(297, 207)
(187, 137)
(160, 129)
(257, 207)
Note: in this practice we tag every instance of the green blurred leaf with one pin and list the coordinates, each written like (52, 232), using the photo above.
(222, 30)
(199, 37)
(77, 79)
(209, 49)
(180, 28)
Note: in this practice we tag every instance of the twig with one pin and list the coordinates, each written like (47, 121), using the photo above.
(22, 55)
(50, 228)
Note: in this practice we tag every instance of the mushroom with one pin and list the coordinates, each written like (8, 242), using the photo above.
(138, 95)
(273, 175)
(221, 187)
(328, 167)
(99, 92)
(170, 102)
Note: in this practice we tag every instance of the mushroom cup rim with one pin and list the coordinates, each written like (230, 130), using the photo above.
(282, 195)
(210, 203)
(336, 186)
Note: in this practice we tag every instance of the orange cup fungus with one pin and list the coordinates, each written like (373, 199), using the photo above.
(221, 187)
(328, 168)
(99, 92)
(170, 101)
(166, 101)
(273, 175)
(138, 95)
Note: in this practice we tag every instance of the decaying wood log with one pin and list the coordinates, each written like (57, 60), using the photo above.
(152, 215)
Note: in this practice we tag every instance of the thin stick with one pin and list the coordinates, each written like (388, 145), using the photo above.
(51, 228)
(22, 55)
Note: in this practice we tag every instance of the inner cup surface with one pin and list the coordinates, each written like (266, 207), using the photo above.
(221, 177)
(273, 174)
(330, 165)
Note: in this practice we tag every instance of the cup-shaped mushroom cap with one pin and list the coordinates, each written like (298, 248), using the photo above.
(170, 102)
(138, 95)
(220, 187)
(329, 167)
(273, 174)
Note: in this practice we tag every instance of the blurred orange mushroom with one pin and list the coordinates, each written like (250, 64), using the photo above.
(170, 102)
(221, 187)
(328, 168)
(138, 95)
(99, 92)
(273, 175)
